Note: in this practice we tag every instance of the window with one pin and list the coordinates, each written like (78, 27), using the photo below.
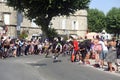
(0, 16)
(75, 25)
(63, 24)
(7, 19)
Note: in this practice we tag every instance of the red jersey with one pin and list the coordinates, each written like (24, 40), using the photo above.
(75, 45)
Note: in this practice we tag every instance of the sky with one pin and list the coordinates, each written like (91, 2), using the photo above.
(104, 5)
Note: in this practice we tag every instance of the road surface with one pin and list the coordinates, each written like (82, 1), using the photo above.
(36, 67)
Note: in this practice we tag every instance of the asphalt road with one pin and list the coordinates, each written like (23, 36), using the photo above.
(39, 68)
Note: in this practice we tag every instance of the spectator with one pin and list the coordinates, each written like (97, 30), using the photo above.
(111, 56)
(104, 51)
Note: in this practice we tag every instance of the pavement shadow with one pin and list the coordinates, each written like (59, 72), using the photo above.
(55, 61)
(48, 56)
(37, 64)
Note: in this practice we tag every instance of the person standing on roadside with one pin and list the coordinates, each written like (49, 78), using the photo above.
(112, 55)
(97, 48)
(104, 51)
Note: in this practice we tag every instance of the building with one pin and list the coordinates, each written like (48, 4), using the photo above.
(73, 25)
(9, 18)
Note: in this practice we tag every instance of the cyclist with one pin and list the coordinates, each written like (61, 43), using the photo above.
(58, 50)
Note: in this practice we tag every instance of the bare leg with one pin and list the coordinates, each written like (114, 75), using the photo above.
(110, 66)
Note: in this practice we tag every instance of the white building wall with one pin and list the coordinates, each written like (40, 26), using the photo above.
(74, 24)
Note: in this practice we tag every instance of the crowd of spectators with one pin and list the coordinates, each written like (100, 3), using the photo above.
(78, 50)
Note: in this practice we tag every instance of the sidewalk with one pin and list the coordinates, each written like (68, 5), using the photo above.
(92, 62)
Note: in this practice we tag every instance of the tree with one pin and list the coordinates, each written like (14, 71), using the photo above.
(42, 11)
(96, 20)
(23, 35)
(113, 21)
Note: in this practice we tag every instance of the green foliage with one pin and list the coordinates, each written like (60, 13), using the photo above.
(96, 20)
(52, 33)
(113, 20)
(23, 35)
(42, 11)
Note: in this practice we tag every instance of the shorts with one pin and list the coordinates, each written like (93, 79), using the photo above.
(103, 54)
